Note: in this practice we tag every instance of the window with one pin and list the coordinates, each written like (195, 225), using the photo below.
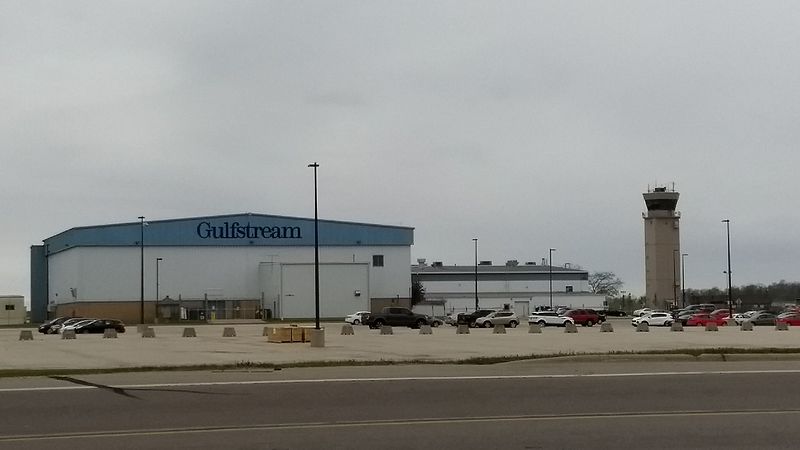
(569, 289)
(377, 260)
(9, 307)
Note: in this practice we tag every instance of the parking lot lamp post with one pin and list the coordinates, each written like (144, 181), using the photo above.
(683, 280)
(550, 270)
(316, 248)
(141, 271)
(158, 260)
(476, 272)
(730, 293)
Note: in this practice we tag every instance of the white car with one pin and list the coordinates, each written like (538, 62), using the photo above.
(545, 318)
(642, 312)
(505, 318)
(73, 325)
(656, 319)
(356, 318)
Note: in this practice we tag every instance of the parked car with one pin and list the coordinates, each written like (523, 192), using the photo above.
(762, 318)
(395, 316)
(741, 317)
(506, 318)
(789, 319)
(545, 318)
(67, 323)
(74, 325)
(356, 318)
(470, 318)
(724, 313)
(585, 317)
(47, 327)
(702, 319)
(99, 326)
(642, 311)
(451, 319)
(655, 319)
(612, 313)
(437, 321)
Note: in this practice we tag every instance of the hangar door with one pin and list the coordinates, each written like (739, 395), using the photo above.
(343, 289)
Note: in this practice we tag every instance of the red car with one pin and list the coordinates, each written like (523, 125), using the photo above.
(793, 320)
(585, 317)
(703, 318)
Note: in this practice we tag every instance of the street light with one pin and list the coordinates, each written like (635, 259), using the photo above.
(158, 260)
(550, 269)
(683, 280)
(730, 294)
(476, 272)
(316, 248)
(141, 272)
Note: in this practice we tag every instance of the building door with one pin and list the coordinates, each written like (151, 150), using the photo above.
(522, 308)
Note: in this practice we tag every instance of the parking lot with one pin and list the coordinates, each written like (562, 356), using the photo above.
(169, 348)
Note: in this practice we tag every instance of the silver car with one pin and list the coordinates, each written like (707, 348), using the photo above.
(505, 317)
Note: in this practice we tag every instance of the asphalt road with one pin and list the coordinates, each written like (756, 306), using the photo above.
(508, 406)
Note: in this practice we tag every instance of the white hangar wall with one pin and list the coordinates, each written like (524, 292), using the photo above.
(282, 276)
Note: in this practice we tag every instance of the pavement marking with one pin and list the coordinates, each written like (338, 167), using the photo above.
(393, 379)
(388, 423)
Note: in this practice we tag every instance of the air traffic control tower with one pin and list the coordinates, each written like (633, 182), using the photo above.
(662, 248)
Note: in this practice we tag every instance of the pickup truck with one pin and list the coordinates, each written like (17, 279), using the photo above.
(395, 316)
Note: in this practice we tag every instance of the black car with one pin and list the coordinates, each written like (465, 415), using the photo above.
(100, 325)
(611, 313)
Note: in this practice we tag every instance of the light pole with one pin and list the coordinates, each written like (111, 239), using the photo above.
(158, 260)
(316, 248)
(683, 280)
(476, 272)
(550, 270)
(141, 272)
(730, 293)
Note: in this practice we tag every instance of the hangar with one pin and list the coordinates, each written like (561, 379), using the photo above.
(219, 267)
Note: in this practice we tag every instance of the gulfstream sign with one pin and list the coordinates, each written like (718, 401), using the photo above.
(236, 230)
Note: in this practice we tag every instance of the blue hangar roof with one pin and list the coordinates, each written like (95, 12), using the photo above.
(231, 230)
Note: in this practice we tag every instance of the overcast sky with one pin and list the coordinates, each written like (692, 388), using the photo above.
(529, 124)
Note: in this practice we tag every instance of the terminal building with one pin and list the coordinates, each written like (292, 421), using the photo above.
(219, 267)
(523, 288)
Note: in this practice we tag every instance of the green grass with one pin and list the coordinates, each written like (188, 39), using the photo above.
(250, 365)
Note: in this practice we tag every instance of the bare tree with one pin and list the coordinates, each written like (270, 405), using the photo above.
(605, 283)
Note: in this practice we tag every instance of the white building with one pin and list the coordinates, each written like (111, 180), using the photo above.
(12, 310)
(219, 267)
(522, 288)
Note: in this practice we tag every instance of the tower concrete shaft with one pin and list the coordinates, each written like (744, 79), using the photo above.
(662, 248)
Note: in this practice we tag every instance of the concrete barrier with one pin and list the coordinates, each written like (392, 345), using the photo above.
(712, 326)
(642, 327)
(316, 337)
(606, 327)
(499, 329)
(229, 332)
(676, 326)
(386, 329)
(148, 333)
(68, 334)
(425, 329)
(535, 328)
(462, 329)
(189, 332)
(347, 330)
(25, 335)
(570, 328)
(109, 333)
(781, 326)
(730, 322)
(747, 326)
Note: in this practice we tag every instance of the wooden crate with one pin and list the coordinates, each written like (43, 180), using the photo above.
(279, 334)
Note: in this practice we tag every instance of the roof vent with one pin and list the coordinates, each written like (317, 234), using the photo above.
(437, 264)
(485, 263)
(530, 263)
(512, 263)
(420, 261)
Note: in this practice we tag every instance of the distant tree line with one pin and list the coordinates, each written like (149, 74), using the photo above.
(776, 294)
